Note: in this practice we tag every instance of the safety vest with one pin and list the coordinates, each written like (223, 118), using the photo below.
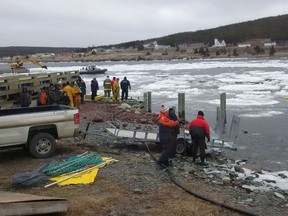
(43, 98)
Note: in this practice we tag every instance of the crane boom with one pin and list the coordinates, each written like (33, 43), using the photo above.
(19, 64)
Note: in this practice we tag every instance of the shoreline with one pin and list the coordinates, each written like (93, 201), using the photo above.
(151, 55)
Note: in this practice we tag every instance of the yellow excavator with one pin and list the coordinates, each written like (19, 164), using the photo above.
(19, 64)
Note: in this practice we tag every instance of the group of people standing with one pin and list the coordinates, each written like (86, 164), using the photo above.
(73, 94)
(66, 94)
(113, 86)
(169, 129)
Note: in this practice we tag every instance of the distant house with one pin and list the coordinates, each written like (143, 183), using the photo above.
(42, 55)
(270, 44)
(244, 45)
(217, 43)
(154, 46)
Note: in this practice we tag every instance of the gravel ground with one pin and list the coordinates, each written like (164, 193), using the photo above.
(136, 185)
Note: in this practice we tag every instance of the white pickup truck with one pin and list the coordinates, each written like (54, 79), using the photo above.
(38, 128)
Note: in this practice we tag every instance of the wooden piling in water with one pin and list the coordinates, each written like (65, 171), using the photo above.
(223, 105)
(181, 106)
(149, 102)
(145, 101)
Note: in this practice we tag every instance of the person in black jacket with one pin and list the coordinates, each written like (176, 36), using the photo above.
(125, 84)
(82, 85)
(65, 99)
(166, 126)
(24, 98)
(175, 131)
(94, 88)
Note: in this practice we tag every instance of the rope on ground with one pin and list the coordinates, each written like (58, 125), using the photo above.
(114, 114)
(198, 195)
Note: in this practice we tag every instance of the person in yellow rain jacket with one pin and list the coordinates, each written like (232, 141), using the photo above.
(70, 93)
(77, 96)
(116, 90)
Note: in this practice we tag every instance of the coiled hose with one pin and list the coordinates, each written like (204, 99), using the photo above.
(201, 196)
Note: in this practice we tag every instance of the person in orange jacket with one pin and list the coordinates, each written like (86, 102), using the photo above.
(199, 129)
(42, 97)
(166, 126)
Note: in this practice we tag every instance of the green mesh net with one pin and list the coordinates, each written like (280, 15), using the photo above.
(72, 164)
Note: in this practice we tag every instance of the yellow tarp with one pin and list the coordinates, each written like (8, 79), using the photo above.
(97, 98)
(82, 177)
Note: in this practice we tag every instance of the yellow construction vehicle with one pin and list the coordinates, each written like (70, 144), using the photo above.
(19, 64)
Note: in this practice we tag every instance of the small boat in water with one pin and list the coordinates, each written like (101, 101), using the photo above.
(92, 69)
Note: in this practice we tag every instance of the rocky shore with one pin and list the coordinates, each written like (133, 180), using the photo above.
(136, 185)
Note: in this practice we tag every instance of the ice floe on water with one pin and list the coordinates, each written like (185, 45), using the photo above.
(249, 87)
(261, 114)
(243, 100)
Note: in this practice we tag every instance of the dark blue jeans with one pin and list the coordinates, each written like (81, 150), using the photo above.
(166, 142)
(124, 94)
(199, 143)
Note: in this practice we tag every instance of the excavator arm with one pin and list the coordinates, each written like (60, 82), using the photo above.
(19, 64)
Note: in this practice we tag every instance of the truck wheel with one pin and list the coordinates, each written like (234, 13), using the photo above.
(42, 145)
(181, 147)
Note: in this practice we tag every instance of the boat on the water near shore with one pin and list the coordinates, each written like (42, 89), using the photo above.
(92, 69)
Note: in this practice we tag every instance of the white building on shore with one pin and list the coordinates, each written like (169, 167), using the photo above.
(217, 43)
(270, 44)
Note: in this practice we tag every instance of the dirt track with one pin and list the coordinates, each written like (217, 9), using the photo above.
(134, 185)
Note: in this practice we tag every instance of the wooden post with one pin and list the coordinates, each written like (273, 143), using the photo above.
(149, 102)
(145, 101)
(217, 113)
(181, 106)
(223, 105)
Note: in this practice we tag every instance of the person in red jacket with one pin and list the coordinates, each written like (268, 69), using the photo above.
(199, 129)
(166, 126)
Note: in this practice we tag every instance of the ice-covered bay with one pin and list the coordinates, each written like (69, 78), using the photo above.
(247, 82)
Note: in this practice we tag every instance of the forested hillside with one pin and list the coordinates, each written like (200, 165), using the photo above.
(22, 50)
(274, 28)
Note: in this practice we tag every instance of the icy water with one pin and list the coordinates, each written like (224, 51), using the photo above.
(255, 89)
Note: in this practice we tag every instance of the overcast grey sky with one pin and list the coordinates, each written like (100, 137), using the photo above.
(82, 23)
